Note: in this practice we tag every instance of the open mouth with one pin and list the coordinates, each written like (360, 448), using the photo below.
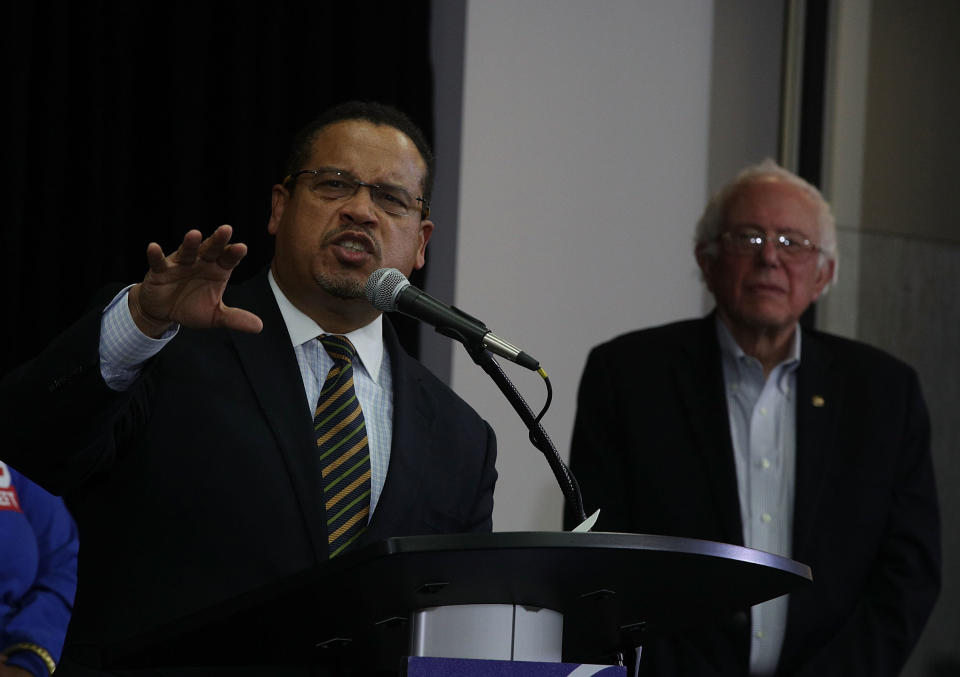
(352, 245)
(353, 241)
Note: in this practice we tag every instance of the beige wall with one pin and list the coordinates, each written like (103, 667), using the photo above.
(913, 120)
(584, 163)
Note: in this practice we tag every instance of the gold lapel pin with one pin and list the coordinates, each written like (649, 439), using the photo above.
(818, 401)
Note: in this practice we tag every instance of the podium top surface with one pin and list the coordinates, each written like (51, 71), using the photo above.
(609, 586)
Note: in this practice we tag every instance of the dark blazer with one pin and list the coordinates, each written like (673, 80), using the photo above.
(202, 481)
(652, 448)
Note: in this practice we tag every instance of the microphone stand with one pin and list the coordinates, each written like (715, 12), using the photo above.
(538, 436)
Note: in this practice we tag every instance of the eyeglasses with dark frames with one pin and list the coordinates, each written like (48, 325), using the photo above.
(750, 241)
(333, 184)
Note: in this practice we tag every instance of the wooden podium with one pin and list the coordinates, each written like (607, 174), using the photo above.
(371, 607)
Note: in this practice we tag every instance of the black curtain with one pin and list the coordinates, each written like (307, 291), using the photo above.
(136, 121)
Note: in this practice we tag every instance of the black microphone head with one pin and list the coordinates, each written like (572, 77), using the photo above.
(382, 288)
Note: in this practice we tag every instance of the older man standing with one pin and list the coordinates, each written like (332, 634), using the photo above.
(744, 428)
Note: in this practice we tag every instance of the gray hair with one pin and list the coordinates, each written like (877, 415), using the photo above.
(711, 222)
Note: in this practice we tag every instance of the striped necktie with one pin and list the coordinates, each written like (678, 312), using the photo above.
(344, 453)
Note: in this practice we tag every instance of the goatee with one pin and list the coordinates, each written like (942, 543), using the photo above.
(342, 286)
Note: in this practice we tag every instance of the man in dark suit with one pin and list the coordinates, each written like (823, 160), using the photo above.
(182, 415)
(741, 427)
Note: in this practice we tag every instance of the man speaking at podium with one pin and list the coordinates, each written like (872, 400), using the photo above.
(213, 439)
(741, 427)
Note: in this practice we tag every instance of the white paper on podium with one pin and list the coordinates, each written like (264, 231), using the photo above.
(587, 524)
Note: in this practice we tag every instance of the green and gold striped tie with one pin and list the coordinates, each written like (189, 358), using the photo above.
(344, 453)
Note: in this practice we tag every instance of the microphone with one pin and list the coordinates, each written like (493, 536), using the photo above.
(389, 290)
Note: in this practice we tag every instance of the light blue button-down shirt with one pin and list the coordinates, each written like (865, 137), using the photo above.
(763, 428)
(124, 349)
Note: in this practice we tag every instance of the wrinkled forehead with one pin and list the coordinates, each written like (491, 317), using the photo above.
(771, 203)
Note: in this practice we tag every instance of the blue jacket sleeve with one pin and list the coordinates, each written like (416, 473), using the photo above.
(42, 614)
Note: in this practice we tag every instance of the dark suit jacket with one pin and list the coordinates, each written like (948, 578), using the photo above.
(652, 448)
(202, 481)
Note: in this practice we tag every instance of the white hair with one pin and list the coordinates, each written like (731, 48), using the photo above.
(711, 222)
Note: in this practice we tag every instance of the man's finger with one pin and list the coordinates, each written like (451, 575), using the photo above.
(232, 255)
(213, 246)
(240, 320)
(155, 258)
(186, 255)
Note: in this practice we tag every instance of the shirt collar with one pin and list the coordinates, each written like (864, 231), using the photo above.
(732, 351)
(367, 340)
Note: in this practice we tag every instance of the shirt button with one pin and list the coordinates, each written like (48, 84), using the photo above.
(766, 517)
(765, 464)
(763, 411)
(758, 634)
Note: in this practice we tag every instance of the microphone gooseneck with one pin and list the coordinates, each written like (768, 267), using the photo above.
(389, 290)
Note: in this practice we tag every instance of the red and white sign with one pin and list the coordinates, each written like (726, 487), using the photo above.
(8, 493)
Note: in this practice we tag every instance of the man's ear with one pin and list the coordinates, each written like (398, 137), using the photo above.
(278, 202)
(824, 276)
(707, 264)
(426, 230)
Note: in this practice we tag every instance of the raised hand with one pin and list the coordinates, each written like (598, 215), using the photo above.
(187, 286)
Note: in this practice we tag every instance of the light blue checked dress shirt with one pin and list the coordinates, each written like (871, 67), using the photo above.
(763, 428)
(124, 349)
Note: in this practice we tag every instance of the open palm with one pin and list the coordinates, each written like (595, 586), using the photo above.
(187, 286)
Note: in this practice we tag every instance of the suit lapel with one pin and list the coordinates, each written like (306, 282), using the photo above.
(820, 382)
(271, 367)
(819, 385)
(413, 421)
(700, 380)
